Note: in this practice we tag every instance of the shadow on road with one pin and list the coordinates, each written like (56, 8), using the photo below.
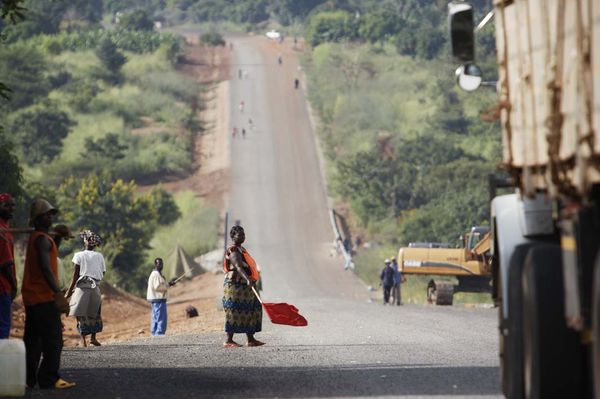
(270, 382)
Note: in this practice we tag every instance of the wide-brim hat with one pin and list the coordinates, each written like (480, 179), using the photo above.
(387, 260)
(40, 207)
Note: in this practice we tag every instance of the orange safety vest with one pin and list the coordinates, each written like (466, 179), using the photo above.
(35, 289)
(254, 276)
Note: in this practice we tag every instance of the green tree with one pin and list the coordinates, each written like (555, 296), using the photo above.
(166, 209)
(376, 185)
(331, 26)
(136, 20)
(449, 116)
(110, 57)
(107, 147)
(23, 69)
(11, 177)
(379, 26)
(40, 130)
(124, 219)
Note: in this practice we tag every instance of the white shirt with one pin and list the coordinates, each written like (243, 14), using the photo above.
(91, 264)
(157, 286)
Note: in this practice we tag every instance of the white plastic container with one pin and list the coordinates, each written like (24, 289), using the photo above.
(12, 367)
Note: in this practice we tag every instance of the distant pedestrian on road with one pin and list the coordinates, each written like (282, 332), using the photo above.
(44, 302)
(398, 280)
(280, 60)
(296, 83)
(234, 132)
(243, 311)
(86, 301)
(387, 280)
(157, 296)
(250, 123)
(242, 105)
(243, 133)
(8, 275)
(239, 73)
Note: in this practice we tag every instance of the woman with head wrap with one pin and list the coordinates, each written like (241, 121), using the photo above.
(89, 269)
(243, 311)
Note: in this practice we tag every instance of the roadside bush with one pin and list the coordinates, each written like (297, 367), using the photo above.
(212, 39)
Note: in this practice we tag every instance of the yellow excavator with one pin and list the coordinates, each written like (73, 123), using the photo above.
(470, 265)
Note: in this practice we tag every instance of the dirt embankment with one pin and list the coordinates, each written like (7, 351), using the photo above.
(126, 316)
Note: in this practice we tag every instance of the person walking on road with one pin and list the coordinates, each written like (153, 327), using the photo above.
(157, 296)
(44, 302)
(243, 133)
(242, 106)
(8, 274)
(296, 83)
(387, 280)
(398, 280)
(88, 270)
(243, 311)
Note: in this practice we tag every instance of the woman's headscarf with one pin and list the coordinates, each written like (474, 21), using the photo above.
(91, 238)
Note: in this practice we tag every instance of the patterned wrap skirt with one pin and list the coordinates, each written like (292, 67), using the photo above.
(243, 312)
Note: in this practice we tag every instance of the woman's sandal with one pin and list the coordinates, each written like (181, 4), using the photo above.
(255, 343)
(62, 384)
(231, 345)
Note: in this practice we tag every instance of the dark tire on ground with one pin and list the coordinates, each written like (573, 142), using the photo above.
(552, 353)
(596, 327)
(511, 327)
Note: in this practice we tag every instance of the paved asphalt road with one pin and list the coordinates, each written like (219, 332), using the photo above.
(351, 348)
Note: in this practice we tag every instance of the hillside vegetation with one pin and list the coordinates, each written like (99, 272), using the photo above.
(93, 112)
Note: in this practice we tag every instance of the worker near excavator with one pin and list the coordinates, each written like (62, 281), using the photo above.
(387, 280)
(398, 280)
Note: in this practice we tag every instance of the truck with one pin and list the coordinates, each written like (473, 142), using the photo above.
(545, 234)
(469, 264)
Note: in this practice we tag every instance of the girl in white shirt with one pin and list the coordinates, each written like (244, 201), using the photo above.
(89, 269)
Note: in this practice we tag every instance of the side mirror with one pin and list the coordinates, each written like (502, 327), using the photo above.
(468, 77)
(462, 35)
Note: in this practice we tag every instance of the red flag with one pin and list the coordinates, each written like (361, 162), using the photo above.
(284, 313)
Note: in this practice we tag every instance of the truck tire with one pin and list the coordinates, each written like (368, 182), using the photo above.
(511, 327)
(596, 327)
(552, 353)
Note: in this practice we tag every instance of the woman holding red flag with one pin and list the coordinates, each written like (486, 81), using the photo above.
(243, 310)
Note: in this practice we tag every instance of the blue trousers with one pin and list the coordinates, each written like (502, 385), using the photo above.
(5, 315)
(158, 317)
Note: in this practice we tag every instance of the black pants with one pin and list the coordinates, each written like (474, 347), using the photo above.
(386, 293)
(43, 338)
(396, 298)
